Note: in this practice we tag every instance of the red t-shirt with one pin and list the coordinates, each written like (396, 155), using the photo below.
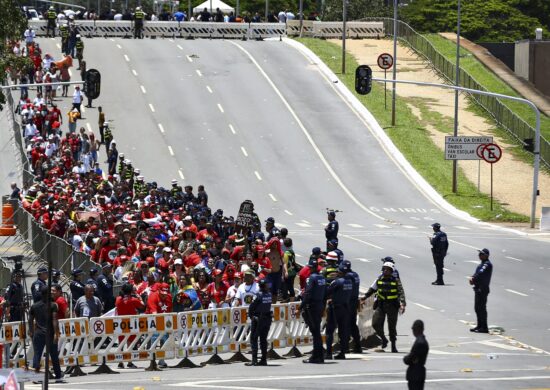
(62, 307)
(157, 304)
(128, 305)
(108, 253)
(217, 295)
(264, 263)
(192, 260)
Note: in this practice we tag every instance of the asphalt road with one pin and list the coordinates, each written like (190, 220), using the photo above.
(257, 120)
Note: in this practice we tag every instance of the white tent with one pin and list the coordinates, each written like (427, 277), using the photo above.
(214, 4)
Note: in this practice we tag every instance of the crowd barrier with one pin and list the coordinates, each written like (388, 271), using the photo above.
(105, 28)
(182, 335)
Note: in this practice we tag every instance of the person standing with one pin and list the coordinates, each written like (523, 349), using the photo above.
(139, 15)
(331, 230)
(105, 284)
(416, 359)
(260, 313)
(390, 301)
(88, 305)
(481, 280)
(36, 286)
(51, 16)
(77, 98)
(128, 303)
(112, 156)
(15, 298)
(313, 303)
(101, 120)
(76, 286)
(79, 46)
(62, 305)
(440, 244)
(340, 291)
(353, 306)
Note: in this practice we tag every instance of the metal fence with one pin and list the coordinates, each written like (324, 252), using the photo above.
(500, 112)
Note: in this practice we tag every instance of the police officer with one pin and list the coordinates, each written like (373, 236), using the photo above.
(313, 302)
(331, 230)
(92, 280)
(389, 259)
(140, 188)
(481, 280)
(105, 284)
(440, 244)
(139, 15)
(64, 32)
(330, 272)
(339, 291)
(15, 297)
(107, 137)
(37, 285)
(79, 46)
(353, 305)
(270, 228)
(416, 359)
(332, 246)
(56, 276)
(51, 16)
(390, 300)
(176, 189)
(121, 163)
(76, 286)
(260, 313)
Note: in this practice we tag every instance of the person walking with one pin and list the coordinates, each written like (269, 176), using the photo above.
(481, 280)
(416, 359)
(440, 244)
(390, 301)
(101, 123)
(260, 313)
(313, 303)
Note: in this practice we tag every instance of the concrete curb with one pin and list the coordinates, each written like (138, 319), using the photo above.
(392, 151)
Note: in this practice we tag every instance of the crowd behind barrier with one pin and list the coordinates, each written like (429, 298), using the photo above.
(117, 339)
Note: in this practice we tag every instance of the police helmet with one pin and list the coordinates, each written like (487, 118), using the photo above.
(331, 256)
(389, 265)
(388, 259)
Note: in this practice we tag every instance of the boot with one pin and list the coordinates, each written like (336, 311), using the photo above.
(254, 361)
(328, 355)
(340, 356)
(263, 361)
(384, 342)
(393, 347)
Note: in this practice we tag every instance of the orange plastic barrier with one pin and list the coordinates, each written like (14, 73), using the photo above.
(7, 228)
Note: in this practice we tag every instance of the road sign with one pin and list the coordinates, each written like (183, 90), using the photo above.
(491, 153)
(385, 61)
(465, 147)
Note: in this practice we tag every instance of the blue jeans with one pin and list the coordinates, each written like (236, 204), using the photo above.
(38, 343)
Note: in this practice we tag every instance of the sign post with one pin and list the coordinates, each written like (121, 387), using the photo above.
(385, 61)
(491, 153)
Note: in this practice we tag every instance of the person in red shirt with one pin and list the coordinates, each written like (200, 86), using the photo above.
(160, 300)
(217, 291)
(263, 262)
(61, 302)
(128, 303)
(207, 232)
(109, 251)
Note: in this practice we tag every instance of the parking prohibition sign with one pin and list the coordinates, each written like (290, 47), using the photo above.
(385, 61)
(491, 153)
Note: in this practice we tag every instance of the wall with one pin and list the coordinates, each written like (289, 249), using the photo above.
(504, 51)
(521, 59)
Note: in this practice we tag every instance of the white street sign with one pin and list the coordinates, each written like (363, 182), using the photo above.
(464, 147)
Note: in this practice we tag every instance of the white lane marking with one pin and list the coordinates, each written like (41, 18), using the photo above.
(170, 150)
(143, 89)
(151, 107)
(244, 151)
(70, 73)
(308, 136)
(445, 269)
(355, 225)
(171, 40)
(117, 45)
(382, 226)
(499, 345)
(232, 129)
(405, 256)
(302, 224)
(58, 45)
(362, 259)
(288, 212)
(89, 126)
(471, 261)
(134, 72)
(422, 306)
(513, 258)
(409, 227)
(179, 47)
(189, 59)
(462, 227)
(161, 128)
(516, 292)
(464, 322)
(466, 245)
(258, 175)
(209, 89)
(361, 241)
(199, 73)
(272, 197)
(220, 108)
(451, 380)
(181, 174)
(111, 39)
(126, 58)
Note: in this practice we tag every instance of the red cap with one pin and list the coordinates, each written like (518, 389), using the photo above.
(217, 272)
(164, 287)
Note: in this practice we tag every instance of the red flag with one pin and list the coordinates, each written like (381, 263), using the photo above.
(11, 383)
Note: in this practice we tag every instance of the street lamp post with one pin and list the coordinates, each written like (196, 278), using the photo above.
(344, 17)
(394, 76)
(457, 80)
(301, 16)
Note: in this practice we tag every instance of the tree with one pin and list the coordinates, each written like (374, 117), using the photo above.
(357, 9)
(12, 27)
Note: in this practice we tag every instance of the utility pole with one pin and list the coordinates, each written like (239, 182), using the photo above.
(394, 76)
(344, 17)
(457, 80)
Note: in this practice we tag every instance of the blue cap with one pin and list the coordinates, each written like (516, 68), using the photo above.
(484, 251)
(42, 270)
(312, 262)
(436, 225)
(93, 271)
(388, 259)
(270, 220)
(56, 272)
(347, 265)
(76, 271)
(342, 268)
(316, 251)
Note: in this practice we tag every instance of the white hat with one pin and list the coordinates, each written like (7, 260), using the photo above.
(188, 218)
(389, 265)
(140, 177)
(167, 249)
(78, 36)
(178, 261)
(129, 162)
(331, 256)
(105, 123)
(137, 170)
(174, 181)
(121, 155)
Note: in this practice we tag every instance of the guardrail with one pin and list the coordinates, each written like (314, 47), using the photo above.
(500, 112)
(165, 336)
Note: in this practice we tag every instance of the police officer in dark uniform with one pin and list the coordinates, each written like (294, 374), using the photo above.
(270, 228)
(56, 276)
(416, 359)
(139, 15)
(36, 286)
(105, 284)
(331, 230)
(481, 280)
(76, 286)
(260, 313)
(93, 279)
(332, 246)
(440, 244)
(15, 297)
(51, 16)
(313, 303)
(339, 291)
(353, 305)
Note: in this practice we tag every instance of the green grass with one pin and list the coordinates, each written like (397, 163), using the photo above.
(488, 79)
(413, 140)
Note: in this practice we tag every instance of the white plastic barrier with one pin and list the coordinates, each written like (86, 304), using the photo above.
(365, 29)
(266, 30)
(73, 345)
(278, 330)
(293, 28)
(203, 332)
(12, 335)
(240, 329)
(130, 338)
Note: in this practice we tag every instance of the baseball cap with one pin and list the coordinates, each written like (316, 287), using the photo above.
(316, 251)
(388, 259)
(178, 261)
(167, 249)
(270, 220)
(250, 272)
(347, 264)
(343, 268)
(164, 287)
(93, 271)
(436, 225)
(485, 251)
(42, 270)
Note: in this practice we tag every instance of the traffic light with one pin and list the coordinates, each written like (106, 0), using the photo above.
(363, 79)
(528, 145)
(92, 85)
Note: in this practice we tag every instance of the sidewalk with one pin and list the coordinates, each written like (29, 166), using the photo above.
(9, 172)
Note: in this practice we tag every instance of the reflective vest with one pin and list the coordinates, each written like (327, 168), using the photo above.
(121, 166)
(139, 187)
(129, 173)
(79, 45)
(387, 289)
(52, 15)
(139, 15)
(107, 134)
(64, 31)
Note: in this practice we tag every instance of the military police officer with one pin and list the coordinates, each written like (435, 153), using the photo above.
(51, 16)
(139, 15)
(56, 276)
(340, 291)
(260, 313)
(15, 298)
(331, 230)
(105, 284)
(313, 302)
(92, 280)
(36, 286)
(353, 305)
(481, 280)
(439, 251)
(76, 286)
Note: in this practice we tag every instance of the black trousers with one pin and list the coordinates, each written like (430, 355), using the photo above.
(390, 310)
(416, 385)
(337, 317)
(480, 306)
(313, 314)
(260, 329)
(438, 261)
(352, 322)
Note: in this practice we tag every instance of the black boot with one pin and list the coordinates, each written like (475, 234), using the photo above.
(393, 347)
(384, 342)
(263, 361)
(254, 361)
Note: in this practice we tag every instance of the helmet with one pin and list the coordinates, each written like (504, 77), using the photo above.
(140, 177)
(174, 181)
(331, 256)
(388, 259)
(138, 8)
(137, 171)
(389, 265)
(52, 8)
(78, 36)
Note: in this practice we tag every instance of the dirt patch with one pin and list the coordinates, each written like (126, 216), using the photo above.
(513, 179)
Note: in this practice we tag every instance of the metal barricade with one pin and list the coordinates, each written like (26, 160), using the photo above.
(203, 332)
(131, 338)
(12, 335)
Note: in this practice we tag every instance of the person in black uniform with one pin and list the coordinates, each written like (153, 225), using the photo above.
(15, 298)
(56, 275)
(270, 228)
(353, 305)
(37, 285)
(390, 301)
(331, 230)
(332, 246)
(260, 313)
(340, 291)
(313, 303)
(76, 287)
(105, 284)
(481, 280)
(440, 244)
(416, 359)
(93, 279)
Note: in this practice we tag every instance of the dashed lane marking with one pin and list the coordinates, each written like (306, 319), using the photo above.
(244, 151)
(355, 225)
(272, 197)
(220, 108)
(199, 73)
(304, 221)
(379, 225)
(288, 212)
(126, 58)
(471, 261)
(466, 245)
(179, 47)
(405, 256)
(516, 292)
(181, 174)
(151, 107)
(361, 241)
(301, 224)
(189, 59)
(143, 89)
(209, 89)
(409, 227)
(171, 40)
(161, 128)
(513, 258)
(462, 227)
(362, 259)
(134, 72)
(258, 175)
(117, 45)
(500, 345)
(422, 306)
(170, 150)
(232, 129)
